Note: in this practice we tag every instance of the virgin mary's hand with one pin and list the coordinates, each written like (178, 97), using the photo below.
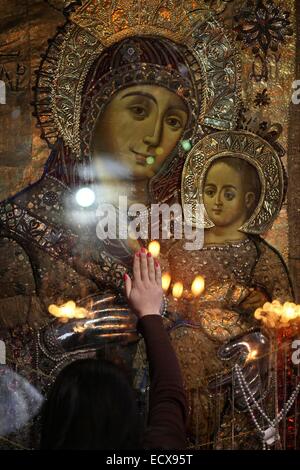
(111, 322)
(250, 353)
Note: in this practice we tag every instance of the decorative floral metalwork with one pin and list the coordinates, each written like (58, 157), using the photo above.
(271, 132)
(262, 98)
(262, 25)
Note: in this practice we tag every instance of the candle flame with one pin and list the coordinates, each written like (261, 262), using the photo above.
(275, 315)
(68, 310)
(165, 281)
(198, 286)
(177, 290)
(154, 248)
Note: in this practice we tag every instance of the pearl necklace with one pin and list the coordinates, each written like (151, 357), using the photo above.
(269, 435)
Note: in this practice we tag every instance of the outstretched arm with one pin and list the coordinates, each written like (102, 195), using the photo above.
(167, 406)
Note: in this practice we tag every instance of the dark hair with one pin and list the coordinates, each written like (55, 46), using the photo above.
(90, 406)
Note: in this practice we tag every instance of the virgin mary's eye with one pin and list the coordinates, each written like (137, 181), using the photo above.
(138, 112)
(174, 122)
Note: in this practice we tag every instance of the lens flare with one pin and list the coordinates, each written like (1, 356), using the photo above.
(150, 160)
(252, 355)
(186, 145)
(85, 197)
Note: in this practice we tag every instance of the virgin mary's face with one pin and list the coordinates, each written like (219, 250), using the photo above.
(139, 128)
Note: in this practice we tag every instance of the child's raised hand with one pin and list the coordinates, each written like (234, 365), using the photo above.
(144, 292)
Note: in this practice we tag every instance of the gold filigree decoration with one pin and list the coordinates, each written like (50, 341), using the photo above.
(95, 25)
(238, 144)
(111, 21)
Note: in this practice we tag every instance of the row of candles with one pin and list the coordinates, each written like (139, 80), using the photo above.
(273, 315)
(197, 286)
(70, 310)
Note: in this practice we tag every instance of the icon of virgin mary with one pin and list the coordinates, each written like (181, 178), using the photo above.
(117, 92)
(119, 89)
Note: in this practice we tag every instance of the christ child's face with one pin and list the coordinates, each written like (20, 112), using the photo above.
(225, 199)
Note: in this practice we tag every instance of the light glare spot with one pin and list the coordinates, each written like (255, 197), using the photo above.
(85, 197)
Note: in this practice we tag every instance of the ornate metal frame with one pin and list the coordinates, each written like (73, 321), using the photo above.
(96, 25)
(237, 144)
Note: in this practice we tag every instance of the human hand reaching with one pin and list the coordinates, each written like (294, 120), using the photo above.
(144, 292)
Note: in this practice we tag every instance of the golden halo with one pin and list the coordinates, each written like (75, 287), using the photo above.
(239, 144)
(97, 24)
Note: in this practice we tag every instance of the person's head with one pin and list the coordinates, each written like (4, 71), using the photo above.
(231, 191)
(139, 100)
(90, 406)
(139, 122)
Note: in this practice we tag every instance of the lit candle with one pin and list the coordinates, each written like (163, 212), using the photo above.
(276, 315)
(154, 248)
(165, 281)
(289, 311)
(198, 286)
(177, 290)
(68, 310)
